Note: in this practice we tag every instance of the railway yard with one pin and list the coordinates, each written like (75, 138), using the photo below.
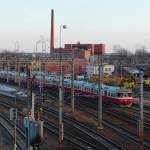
(55, 112)
(77, 78)
(80, 128)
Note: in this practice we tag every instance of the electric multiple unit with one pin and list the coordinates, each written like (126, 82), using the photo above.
(112, 94)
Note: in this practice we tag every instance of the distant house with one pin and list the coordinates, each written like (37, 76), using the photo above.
(146, 69)
(132, 71)
(108, 69)
(93, 69)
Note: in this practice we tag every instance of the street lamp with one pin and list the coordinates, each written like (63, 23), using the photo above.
(62, 27)
(17, 45)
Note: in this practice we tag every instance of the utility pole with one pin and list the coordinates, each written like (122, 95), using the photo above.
(29, 99)
(15, 145)
(16, 72)
(100, 126)
(8, 69)
(40, 78)
(29, 87)
(15, 118)
(19, 75)
(72, 83)
(61, 130)
(141, 123)
(32, 107)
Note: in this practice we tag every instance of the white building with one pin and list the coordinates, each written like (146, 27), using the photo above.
(93, 69)
(108, 69)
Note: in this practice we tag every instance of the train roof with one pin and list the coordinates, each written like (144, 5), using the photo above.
(54, 77)
(105, 87)
(7, 88)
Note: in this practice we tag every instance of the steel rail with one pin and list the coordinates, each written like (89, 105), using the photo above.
(79, 142)
(99, 139)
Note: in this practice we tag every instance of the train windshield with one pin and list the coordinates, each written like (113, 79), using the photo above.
(124, 94)
(129, 94)
(119, 94)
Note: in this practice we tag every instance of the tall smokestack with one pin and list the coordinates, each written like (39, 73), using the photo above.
(52, 30)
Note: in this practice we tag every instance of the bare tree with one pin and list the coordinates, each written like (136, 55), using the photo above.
(120, 50)
(141, 54)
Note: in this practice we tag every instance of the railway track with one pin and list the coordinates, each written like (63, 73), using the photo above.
(79, 141)
(133, 121)
(98, 139)
(124, 133)
(9, 125)
(95, 142)
(136, 110)
(121, 115)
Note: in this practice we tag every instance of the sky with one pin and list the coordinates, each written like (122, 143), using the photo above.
(113, 22)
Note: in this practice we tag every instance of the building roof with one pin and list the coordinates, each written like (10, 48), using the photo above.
(132, 70)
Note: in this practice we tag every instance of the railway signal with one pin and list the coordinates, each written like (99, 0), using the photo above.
(13, 114)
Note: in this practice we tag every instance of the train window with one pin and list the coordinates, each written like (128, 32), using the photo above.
(76, 86)
(125, 95)
(96, 91)
(90, 89)
(110, 93)
(79, 87)
(105, 93)
(120, 94)
(129, 94)
(114, 94)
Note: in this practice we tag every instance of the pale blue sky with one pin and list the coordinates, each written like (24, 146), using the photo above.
(124, 22)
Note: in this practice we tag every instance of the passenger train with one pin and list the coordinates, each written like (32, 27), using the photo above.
(112, 94)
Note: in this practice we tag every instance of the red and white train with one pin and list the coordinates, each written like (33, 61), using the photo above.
(112, 94)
